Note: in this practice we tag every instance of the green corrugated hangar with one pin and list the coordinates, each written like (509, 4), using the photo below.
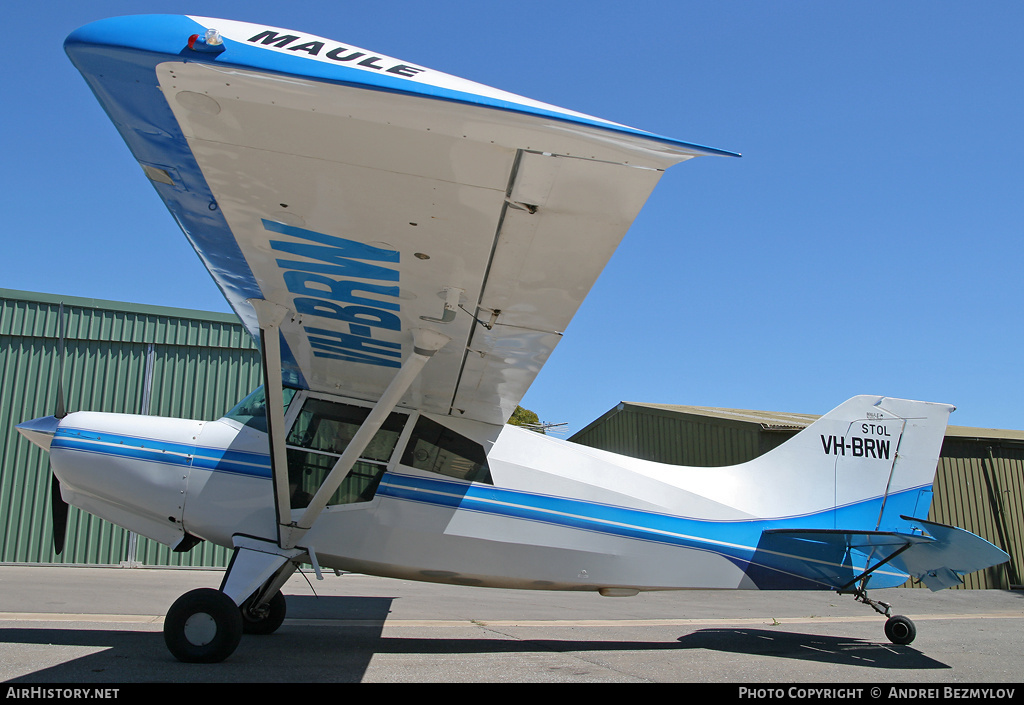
(161, 361)
(979, 483)
(118, 357)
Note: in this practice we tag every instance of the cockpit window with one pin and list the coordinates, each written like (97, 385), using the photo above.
(252, 411)
(328, 427)
(439, 449)
(320, 434)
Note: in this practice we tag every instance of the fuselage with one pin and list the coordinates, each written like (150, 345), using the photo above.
(446, 500)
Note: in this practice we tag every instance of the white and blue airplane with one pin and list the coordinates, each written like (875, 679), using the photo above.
(407, 247)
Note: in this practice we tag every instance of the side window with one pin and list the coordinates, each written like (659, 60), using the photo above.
(328, 426)
(435, 448)
(320, 434)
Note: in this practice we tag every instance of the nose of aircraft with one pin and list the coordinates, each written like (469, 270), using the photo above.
(40, 431)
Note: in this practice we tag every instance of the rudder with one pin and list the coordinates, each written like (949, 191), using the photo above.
(871, 459)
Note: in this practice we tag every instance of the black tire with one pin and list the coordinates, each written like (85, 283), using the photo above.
(203, 626)
(267, 620)
(900, 630)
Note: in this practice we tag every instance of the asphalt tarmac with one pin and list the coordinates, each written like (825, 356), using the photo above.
(94, 626)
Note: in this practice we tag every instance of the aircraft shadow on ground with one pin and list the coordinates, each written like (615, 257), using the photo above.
(335, 652)
(295, 653)
(810, 647)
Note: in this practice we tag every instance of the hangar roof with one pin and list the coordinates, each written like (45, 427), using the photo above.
(786, 421)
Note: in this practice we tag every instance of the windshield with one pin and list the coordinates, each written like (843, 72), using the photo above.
(252, 411)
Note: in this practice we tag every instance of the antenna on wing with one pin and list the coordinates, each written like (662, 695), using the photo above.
(546, 428)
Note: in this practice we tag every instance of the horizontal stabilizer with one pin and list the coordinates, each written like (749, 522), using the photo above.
(840, 558)
(953, 553)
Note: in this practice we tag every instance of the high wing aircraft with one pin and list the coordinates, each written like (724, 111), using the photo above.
(407, 247)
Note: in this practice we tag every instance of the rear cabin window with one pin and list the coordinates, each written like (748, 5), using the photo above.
(435, 448)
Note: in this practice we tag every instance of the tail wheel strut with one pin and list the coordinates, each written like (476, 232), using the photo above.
(898, 629)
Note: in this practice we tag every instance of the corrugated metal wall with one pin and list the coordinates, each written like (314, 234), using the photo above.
(979, 486)
(979, 482)
(678, 438)
(118, 357)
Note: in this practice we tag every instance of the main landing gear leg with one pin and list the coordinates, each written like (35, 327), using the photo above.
(264, 610)
(206, 625)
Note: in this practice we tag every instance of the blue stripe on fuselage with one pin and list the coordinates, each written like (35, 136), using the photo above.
(153, 450)
(735, 540)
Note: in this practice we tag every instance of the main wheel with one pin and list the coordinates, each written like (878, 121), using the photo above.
(900, 630)
(267, 618)
(203, 626)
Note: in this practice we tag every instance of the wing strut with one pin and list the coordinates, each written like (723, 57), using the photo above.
(426, 342)
(270, 316)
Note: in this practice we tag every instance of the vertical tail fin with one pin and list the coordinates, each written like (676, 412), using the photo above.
(872, 459)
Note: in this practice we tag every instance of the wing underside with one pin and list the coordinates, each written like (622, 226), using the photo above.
(367, 211)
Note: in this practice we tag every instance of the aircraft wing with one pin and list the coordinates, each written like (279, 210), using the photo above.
(839, 558)
(369, 196)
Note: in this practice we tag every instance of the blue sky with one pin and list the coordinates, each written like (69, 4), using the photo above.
(869, 240)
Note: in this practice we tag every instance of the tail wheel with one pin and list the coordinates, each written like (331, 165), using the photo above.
(900, 630)
(265, 619)
(203, 626)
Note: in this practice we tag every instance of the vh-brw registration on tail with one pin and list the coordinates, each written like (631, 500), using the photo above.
(408, 247)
